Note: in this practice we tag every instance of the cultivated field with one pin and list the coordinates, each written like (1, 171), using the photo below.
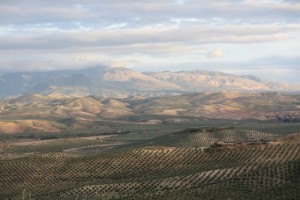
(196, 163)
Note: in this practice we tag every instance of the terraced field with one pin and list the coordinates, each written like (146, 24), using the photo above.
(191, 164)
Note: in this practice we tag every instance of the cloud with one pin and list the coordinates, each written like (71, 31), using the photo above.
(216, 53)
(140, 13)
(41, 34)
(43, 39)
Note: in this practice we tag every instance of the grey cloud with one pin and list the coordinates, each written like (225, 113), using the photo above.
(92, 11)
(44, 40)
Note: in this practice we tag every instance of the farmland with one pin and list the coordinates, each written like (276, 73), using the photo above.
(194, 163)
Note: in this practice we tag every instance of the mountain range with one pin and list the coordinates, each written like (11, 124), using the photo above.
(124, 83)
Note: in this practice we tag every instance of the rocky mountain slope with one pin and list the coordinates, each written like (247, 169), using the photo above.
(124, 83)
(217, 81)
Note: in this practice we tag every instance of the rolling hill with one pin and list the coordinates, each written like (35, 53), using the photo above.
(90, 109)
(223, 105)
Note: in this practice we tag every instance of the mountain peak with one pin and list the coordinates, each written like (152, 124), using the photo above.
(121, 74)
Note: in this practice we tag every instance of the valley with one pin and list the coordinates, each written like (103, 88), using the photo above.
(114, 133)
(150, 100)
(220, 145)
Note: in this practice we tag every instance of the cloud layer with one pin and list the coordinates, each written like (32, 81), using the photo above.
(147, 35)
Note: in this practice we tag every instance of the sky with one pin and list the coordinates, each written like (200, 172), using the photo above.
(257, 37)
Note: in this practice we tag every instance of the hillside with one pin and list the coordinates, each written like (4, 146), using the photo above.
(201, 81)
(223, 105)
(254, 165)
(210, 81)
(30, 126)
(132, 80)
(176, 109)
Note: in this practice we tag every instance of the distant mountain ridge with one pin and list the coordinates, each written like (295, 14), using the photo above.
(124, 82)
